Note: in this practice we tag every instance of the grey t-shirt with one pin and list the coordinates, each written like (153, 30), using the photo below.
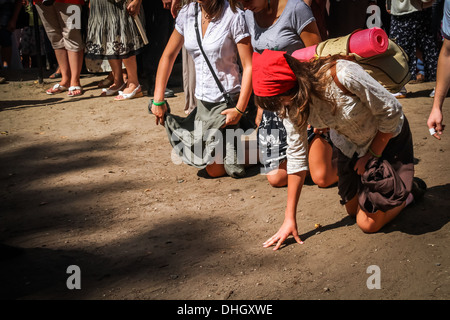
(284, 34)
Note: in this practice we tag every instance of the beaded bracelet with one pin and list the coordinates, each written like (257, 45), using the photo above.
(158, 104)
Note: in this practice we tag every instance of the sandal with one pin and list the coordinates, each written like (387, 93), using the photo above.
(111, 92)
(75, 88)
(57, 88)
(127, 96)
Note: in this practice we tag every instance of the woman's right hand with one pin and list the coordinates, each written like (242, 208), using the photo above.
(289, 227)
(159, 112)
(134, 7)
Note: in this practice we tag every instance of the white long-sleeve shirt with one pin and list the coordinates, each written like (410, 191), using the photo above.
(356, 121)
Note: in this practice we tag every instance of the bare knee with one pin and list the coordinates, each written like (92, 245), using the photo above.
(369, 226)
(369, 223)
(321, 182)
(215, 170)
(277, 178)
(277, 181)
(323, 178)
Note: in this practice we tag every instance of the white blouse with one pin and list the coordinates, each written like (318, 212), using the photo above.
(357, 120)
(219, 44)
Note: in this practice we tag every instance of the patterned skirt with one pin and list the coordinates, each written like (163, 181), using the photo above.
(112, 32)
(413, 32)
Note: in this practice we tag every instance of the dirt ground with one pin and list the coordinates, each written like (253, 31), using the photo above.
(90, 182)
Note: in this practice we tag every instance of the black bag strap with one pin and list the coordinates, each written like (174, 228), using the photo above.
(225, 94)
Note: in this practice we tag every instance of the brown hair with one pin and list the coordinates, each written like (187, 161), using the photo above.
(213, 7)
(235, 4)
(312, 80)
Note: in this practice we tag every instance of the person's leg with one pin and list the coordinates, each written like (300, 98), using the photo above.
(321, 166)
(352, 207)
(75, 64)
(426, 42)
(63, 63)
(117, 77)
(278, 177)
(50, 20)
(215, 170)
(131, 67)
(370, 223)
(6, 54)
(403, 31)
(133, 86)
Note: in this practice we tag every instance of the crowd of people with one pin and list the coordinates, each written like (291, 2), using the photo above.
(93, 36)
(324, 118)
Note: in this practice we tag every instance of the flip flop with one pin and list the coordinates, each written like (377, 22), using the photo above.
(57, 88)
(75, 88)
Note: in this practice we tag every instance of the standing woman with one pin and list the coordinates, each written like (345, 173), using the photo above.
(411, 27)
(225, 39)
(113, 35)
(66, 40)
(370, 131)
(286, 25)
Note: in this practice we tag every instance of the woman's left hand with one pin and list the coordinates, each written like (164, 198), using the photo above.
(133, 7)
(360, 166)
(233, 117)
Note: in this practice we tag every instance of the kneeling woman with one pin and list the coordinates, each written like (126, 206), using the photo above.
(211, 32)
(370, 131)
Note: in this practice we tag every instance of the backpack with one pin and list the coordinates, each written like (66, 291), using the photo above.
(390, 68)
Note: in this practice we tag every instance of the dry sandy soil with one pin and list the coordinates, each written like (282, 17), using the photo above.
(90, 182)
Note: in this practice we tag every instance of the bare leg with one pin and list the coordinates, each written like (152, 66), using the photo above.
(322, 169)
(371, 223)
(278, 177)
(116, 71)
(63, 63)
(215, 170)
(75, 59)
(131, 67)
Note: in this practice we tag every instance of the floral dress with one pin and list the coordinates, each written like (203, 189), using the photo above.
(112, 32)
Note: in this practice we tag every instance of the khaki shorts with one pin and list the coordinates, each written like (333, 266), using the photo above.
(55, 20)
